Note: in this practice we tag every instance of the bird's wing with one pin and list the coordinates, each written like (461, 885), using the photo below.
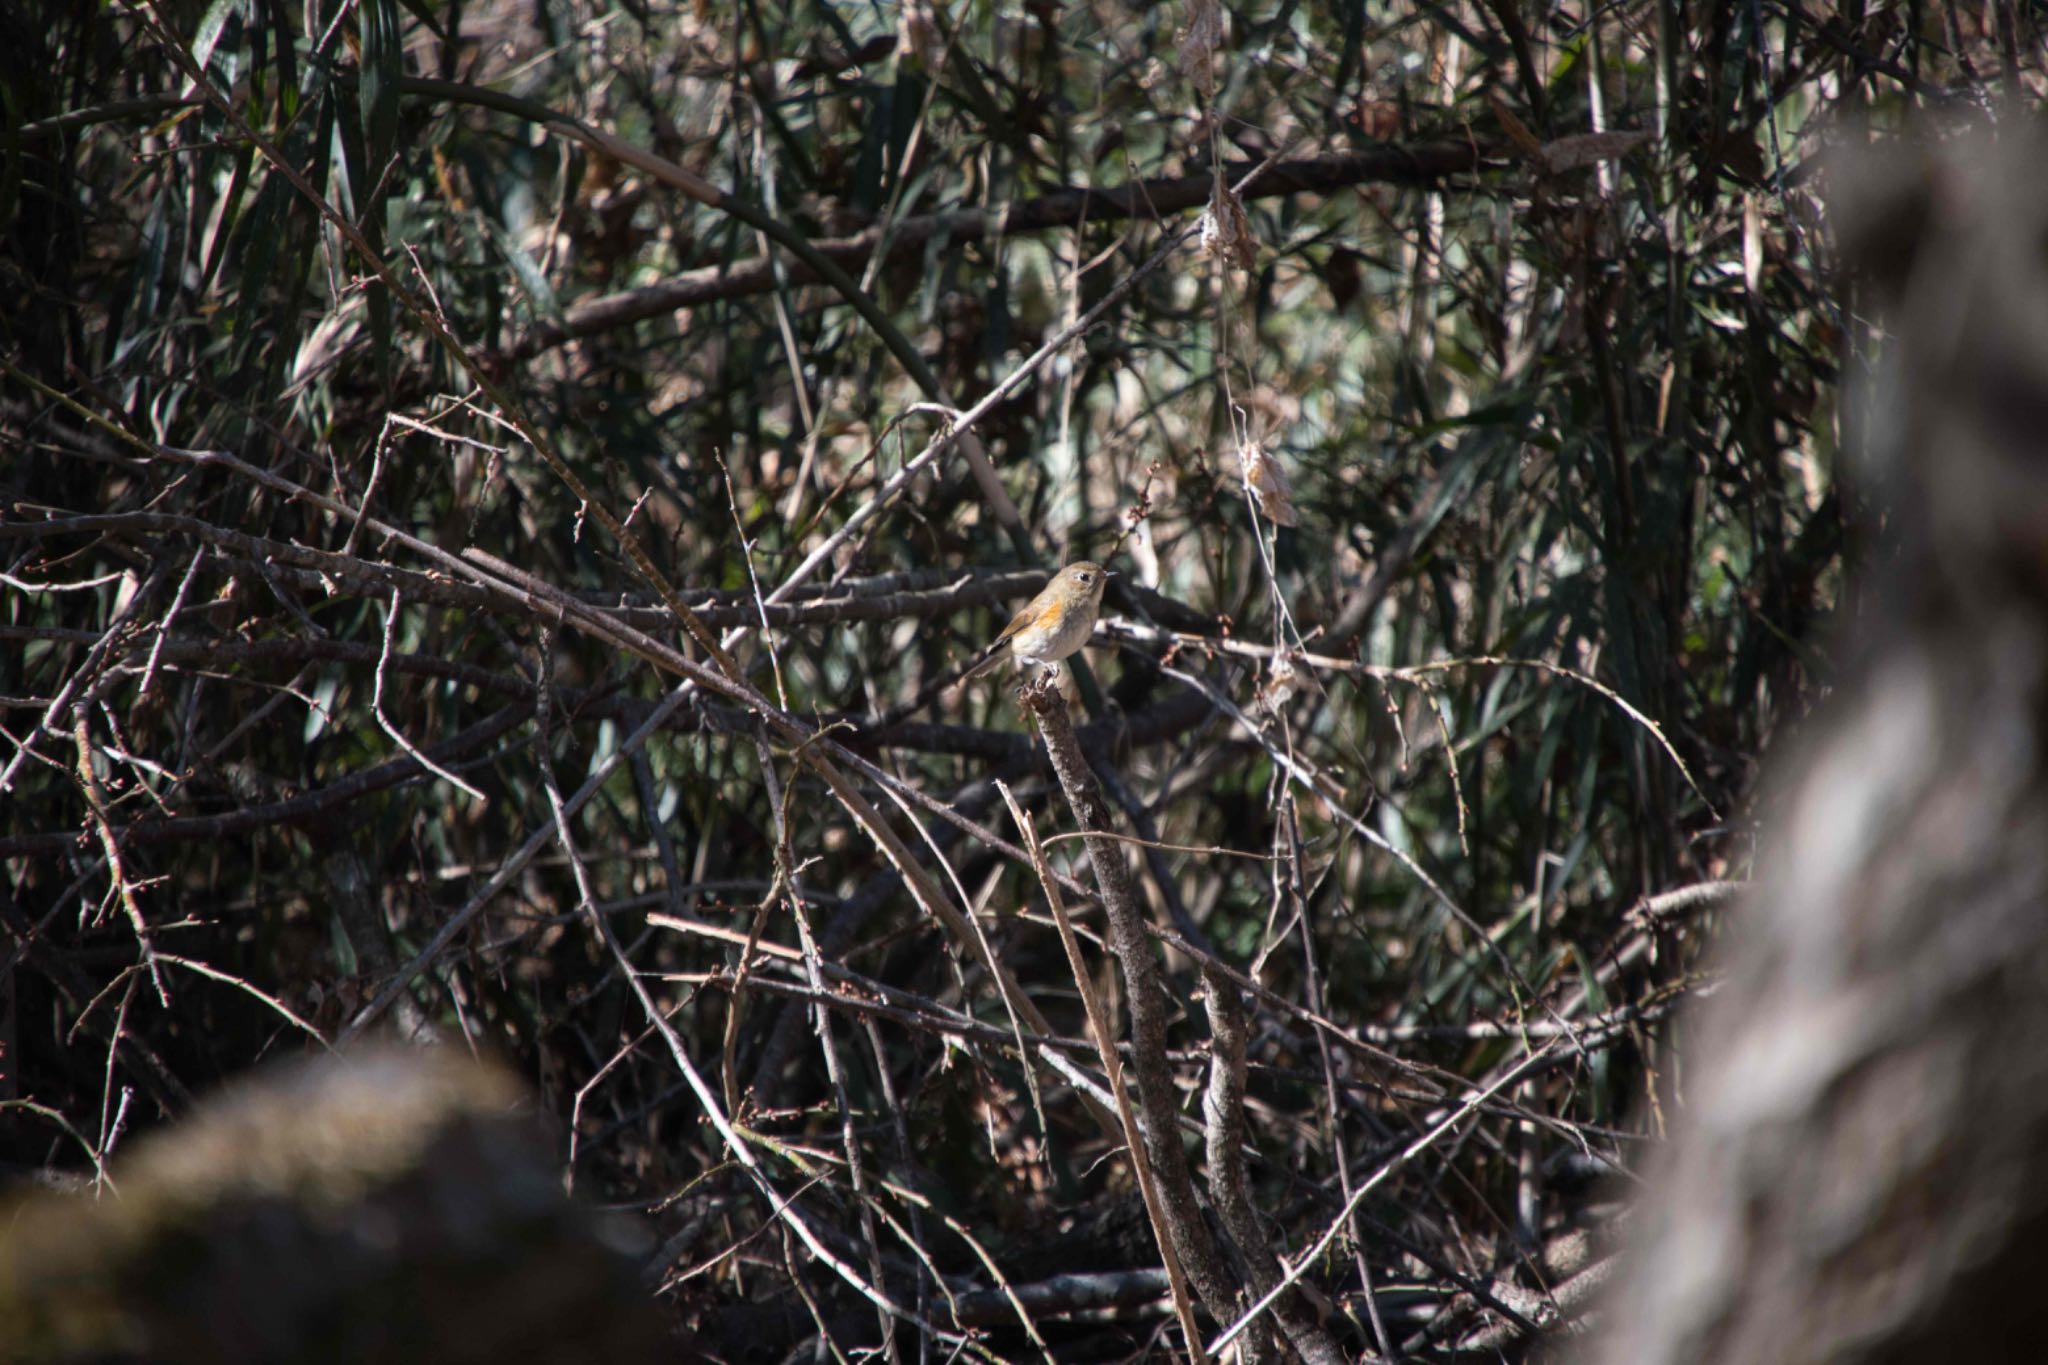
(1018, 622)
(995, 655)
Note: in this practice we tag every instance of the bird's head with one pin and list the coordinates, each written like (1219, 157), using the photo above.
(1084, 578)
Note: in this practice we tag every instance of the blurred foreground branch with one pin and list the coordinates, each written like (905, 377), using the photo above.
(1861, 1172)
(396, 1205)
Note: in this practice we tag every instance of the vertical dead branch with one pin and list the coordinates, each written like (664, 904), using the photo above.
(1156, 1091)
(1112, 1067)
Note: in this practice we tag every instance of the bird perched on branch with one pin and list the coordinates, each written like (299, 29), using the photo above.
(1053, 625)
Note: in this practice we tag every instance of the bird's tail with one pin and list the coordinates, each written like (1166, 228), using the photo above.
(987, 663)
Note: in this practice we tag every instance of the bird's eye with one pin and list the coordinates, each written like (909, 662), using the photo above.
(1086, 579)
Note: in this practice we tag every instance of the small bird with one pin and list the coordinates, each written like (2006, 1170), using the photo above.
(1055, 624)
